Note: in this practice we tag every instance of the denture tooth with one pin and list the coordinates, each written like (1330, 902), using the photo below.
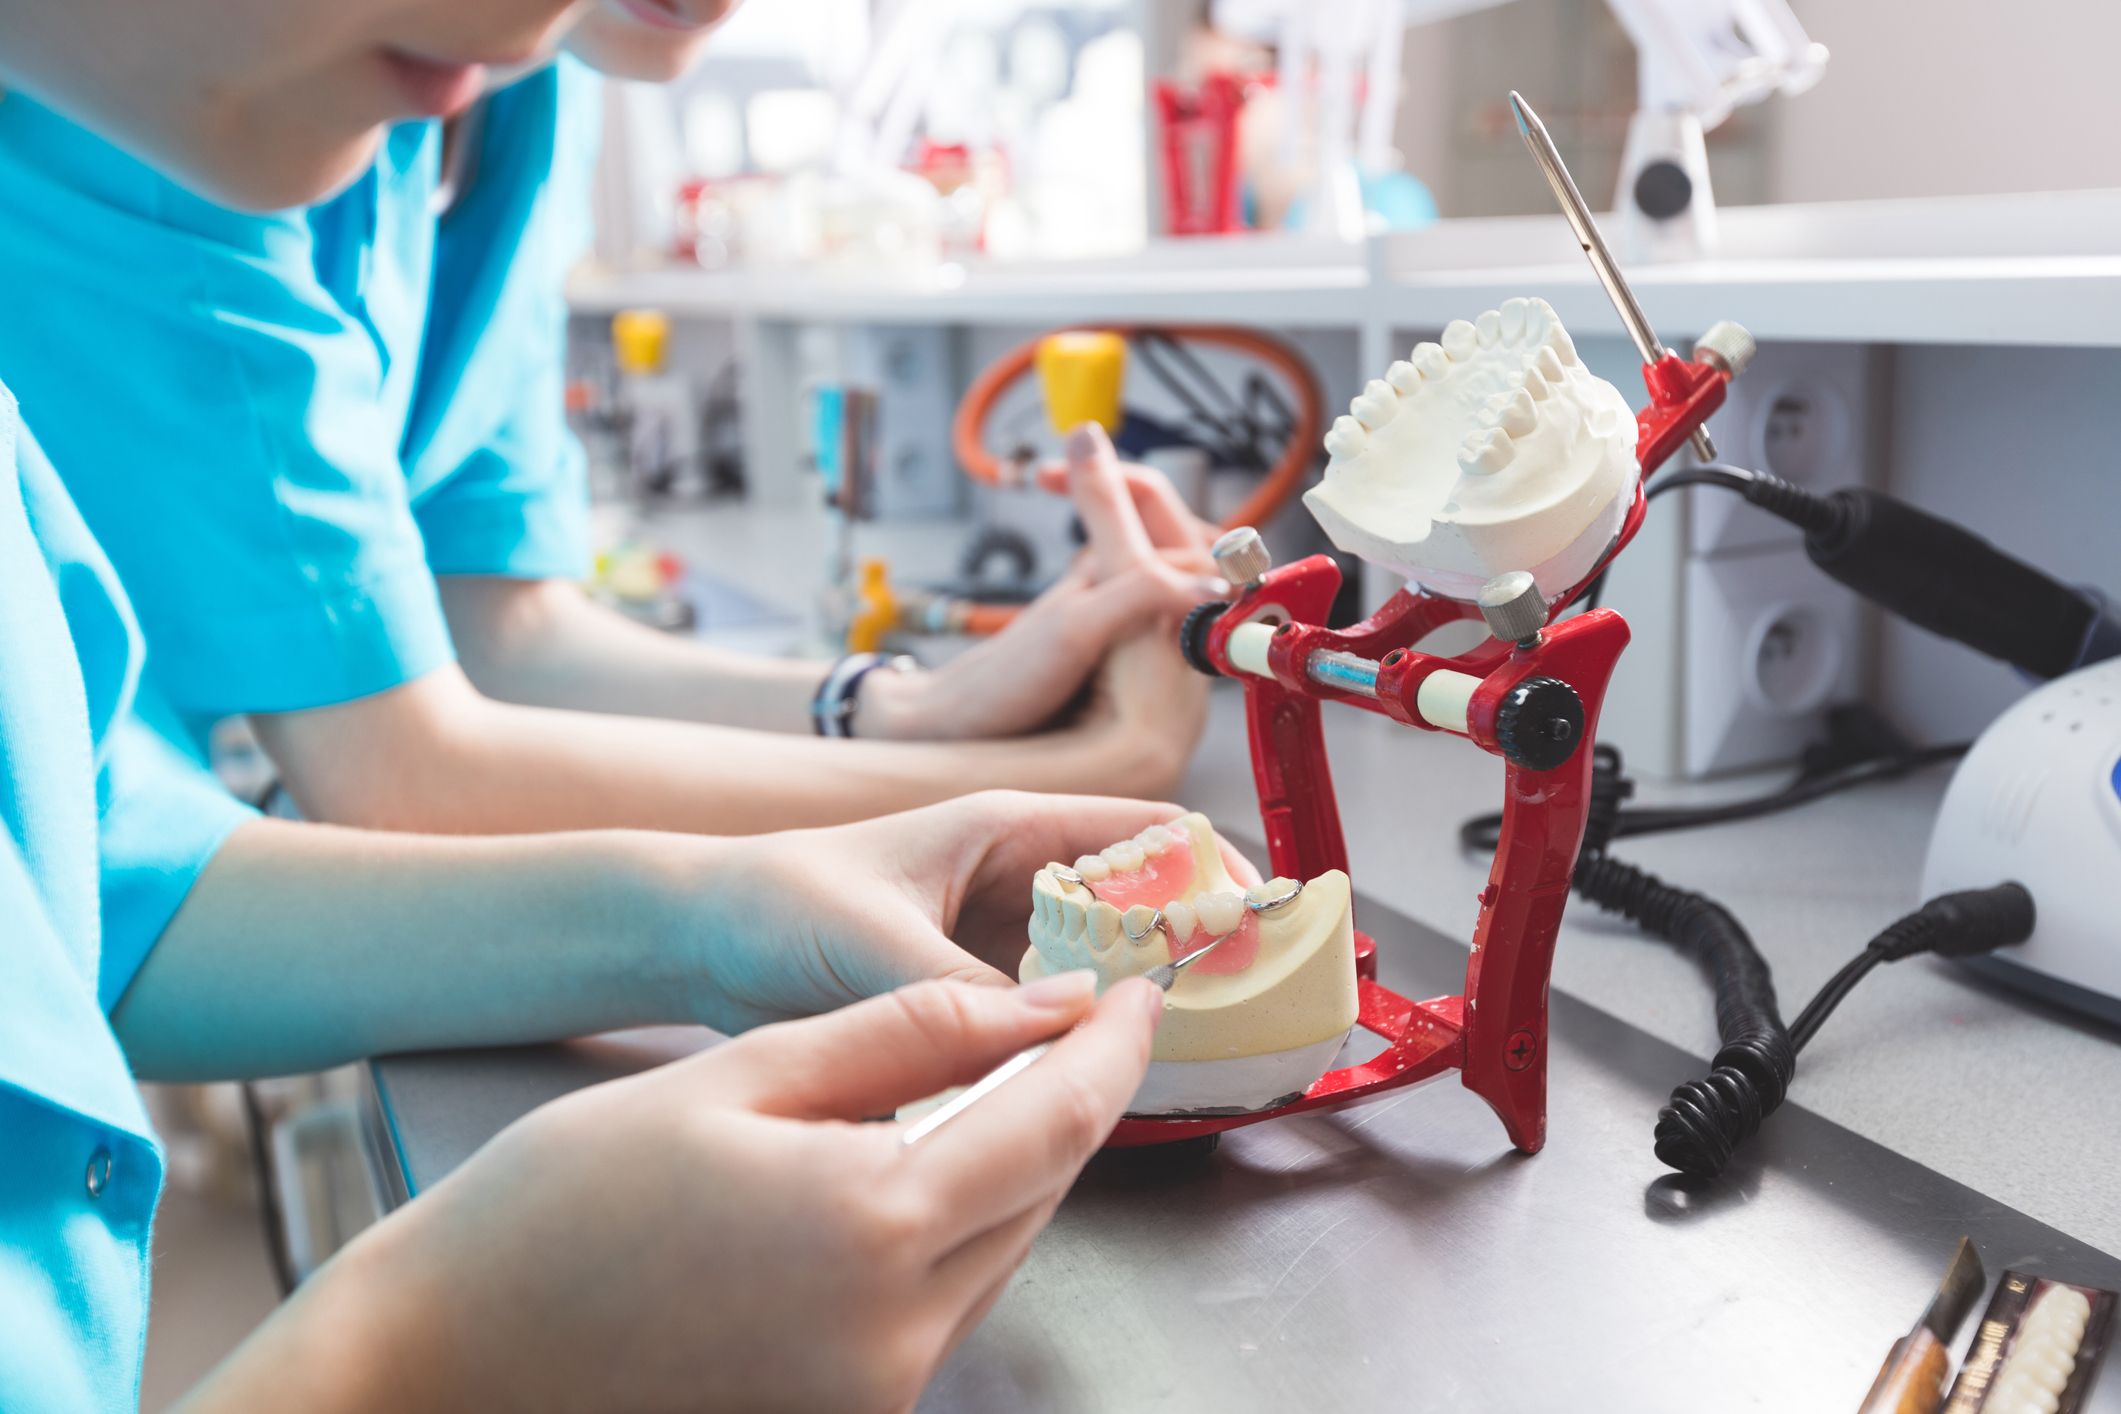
(1155, 840)
(1219, 912)
(1512, 316)
(1272, 889)
(1125, 857)
(1484, 453)
(1404, 378)
(1180, 829)
(1431, 360)
(1093, 867)
(1179, 914)
(1489, 328)
(1346, 438)
(1460, 339)
(1374, 407)
(1101, 925)
(1518, 417)
(1138, 923)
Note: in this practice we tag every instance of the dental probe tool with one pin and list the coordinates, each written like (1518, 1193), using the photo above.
(1023, 1060)
(1603, 265)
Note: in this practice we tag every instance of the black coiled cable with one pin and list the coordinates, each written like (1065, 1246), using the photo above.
(1705, 1120)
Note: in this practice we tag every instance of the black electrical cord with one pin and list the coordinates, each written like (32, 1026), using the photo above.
(1483, 831)
(1716, 474)
(1705, 1120)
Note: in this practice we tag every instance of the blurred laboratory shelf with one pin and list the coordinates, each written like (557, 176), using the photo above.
(1271, 280)
(2040, 269)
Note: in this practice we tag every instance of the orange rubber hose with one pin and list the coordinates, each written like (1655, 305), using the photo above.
(1282, 481)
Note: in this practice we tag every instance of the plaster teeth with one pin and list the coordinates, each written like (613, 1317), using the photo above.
(1460, 339)
(1375, 406)
(1511, 318)
(1155, 840)
(1346, 438)
(1093, 868)
(1181, 917)
(1432, 360)
(1489, 328)
(1219, 912)
(1564, 347)
(1138, 923)
(1518, 416)
(1547, 364)
(1101, 924)
(1485, 453)
(1125, 857)
(1404, 377)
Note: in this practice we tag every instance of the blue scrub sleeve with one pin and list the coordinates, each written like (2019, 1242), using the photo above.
(215, 411)
(510, 493)
(162, 817)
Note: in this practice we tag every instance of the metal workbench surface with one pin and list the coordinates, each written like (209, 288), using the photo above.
(1398, 1255)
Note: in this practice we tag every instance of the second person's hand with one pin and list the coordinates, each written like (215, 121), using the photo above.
(809, 920)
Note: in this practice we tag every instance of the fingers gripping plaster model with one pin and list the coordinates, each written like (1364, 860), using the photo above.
(1500, 477)
(1251, 1026)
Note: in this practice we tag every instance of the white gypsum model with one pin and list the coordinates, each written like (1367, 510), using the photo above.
(1253, 1023)
(1494, 450)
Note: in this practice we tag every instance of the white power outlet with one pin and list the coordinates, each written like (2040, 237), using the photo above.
(1770, 641)
(1739, 642)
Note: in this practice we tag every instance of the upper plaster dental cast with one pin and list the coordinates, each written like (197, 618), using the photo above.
(1251, 1025)
(1494, 450)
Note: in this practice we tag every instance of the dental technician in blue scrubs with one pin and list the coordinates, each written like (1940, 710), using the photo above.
(151, 927)
(343, 494)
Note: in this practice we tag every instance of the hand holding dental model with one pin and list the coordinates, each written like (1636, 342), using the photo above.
(1249, 1027)
(721, 1232)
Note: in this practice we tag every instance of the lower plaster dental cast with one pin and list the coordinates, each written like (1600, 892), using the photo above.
(1249, 1027)
(1493, 450)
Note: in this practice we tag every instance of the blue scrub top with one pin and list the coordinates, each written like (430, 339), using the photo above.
(103, 828)
(281, 427)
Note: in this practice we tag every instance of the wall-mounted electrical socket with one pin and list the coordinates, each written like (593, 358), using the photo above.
(1740, 644)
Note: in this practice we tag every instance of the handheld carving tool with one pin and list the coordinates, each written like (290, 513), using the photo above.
(1023, 1060)
(1912, 1380)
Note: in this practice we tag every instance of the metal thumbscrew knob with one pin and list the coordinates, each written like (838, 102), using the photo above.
(1242, 556)
(1726, 346)
(1513, 606)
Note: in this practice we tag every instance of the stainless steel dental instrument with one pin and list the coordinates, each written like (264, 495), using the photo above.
(1023, 1060)
(1603, 265)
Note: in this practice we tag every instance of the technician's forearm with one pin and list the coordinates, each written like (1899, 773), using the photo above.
(306, 946)
(526, 770)
(357, 1337)
(546, 644)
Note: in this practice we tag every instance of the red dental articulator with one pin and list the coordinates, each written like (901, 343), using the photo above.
(1531, 695)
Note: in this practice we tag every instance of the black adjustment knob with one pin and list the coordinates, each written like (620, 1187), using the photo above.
(1540, 723)
(1193, 635)
(1663, 190)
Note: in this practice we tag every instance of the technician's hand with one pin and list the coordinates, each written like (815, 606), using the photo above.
(1145, 565)
(827, 917)
(718, 1234)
